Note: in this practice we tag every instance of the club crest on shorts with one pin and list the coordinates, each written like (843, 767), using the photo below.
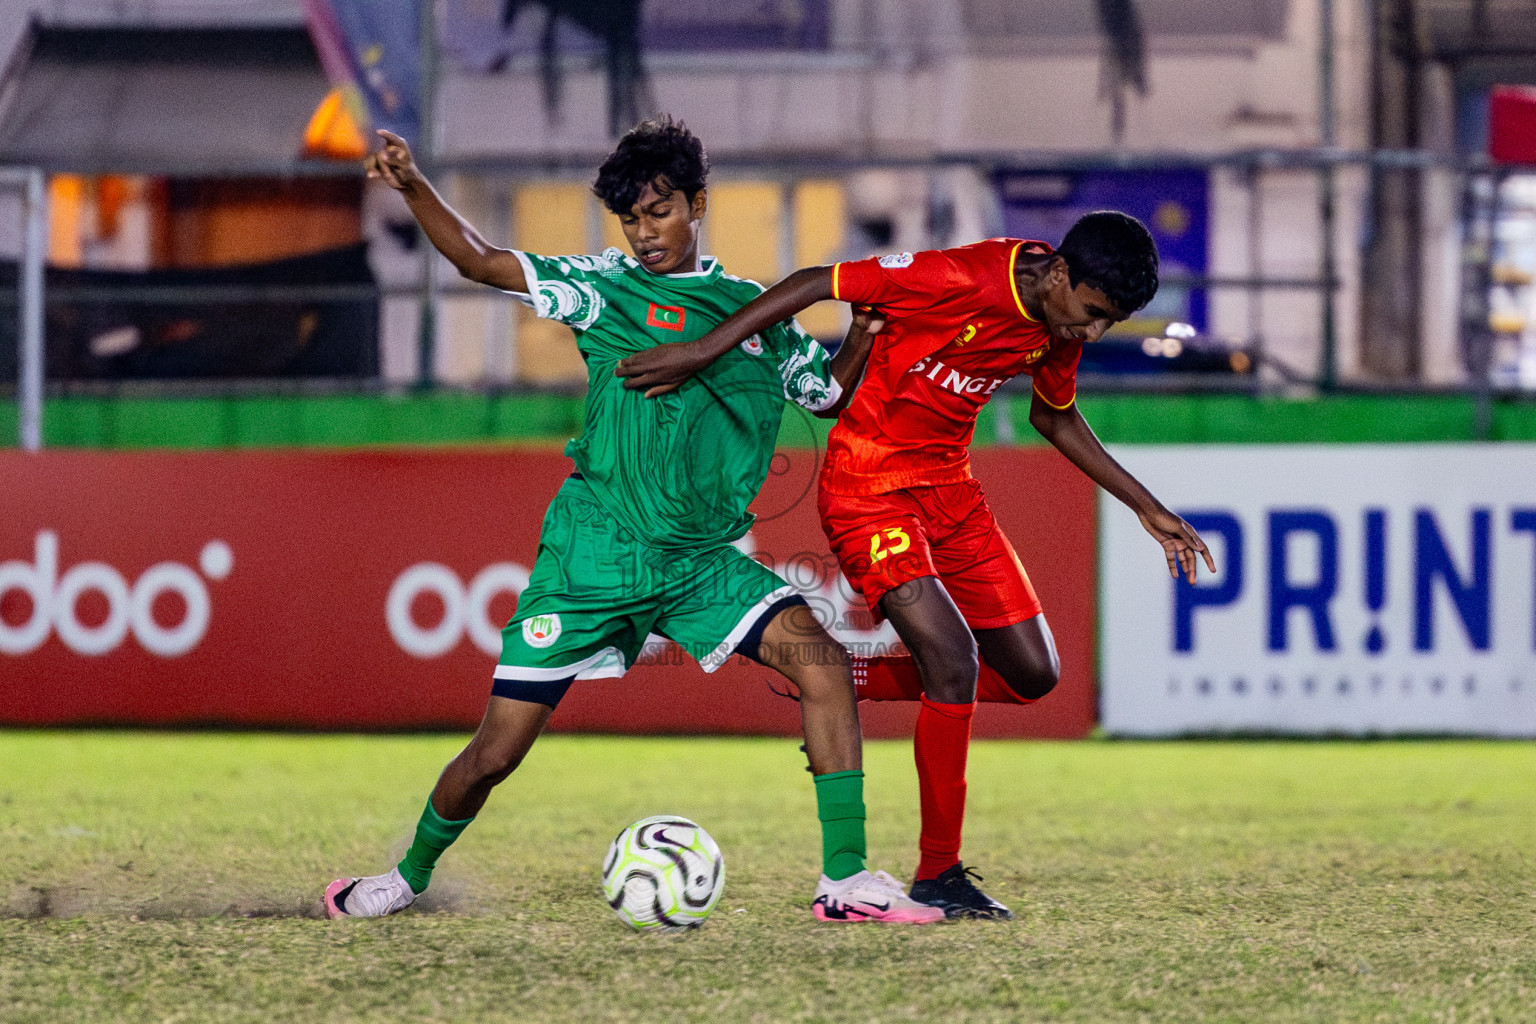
(541, 630)
(896, 260)
(753, 346)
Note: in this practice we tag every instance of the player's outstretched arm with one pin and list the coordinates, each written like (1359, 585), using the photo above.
(852, 354)
(1073, 437)
(454, 237)
(661, 369)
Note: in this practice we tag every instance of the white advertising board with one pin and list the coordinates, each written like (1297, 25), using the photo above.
(1361, 589)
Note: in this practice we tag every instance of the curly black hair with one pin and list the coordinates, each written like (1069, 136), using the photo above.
(661, 153)
(1113, 252)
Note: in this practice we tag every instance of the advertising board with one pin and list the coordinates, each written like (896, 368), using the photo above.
(367, 590)
(1361, 589)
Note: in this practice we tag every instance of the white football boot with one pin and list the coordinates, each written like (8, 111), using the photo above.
(870, 896)
(373, 896)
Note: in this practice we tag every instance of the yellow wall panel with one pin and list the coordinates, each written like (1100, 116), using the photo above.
(613, 232)
(825, 320)
(743, 228)
(551, 220)
(819, 218)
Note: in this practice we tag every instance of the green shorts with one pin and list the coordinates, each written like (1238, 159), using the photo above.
(596, 593)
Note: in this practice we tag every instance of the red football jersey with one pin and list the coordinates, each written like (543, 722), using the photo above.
(956, 332)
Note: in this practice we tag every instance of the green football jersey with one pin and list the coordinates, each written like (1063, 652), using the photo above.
(678, 470)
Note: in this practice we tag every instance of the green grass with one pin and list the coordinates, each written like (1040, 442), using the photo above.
(175, 877)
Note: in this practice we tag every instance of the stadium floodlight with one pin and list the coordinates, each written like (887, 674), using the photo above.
(29, 367)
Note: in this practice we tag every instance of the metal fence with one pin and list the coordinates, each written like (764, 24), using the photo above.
(1316, 274)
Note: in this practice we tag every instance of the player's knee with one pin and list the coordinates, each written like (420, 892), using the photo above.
(1031, 682)
(797, 646)
(1033, 676)
(821, 675)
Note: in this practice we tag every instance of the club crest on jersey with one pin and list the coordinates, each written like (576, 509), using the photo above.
(1031, 358)
(668, 318)
(896, 260)
(965, 335)
(541, 630)
(753, 346)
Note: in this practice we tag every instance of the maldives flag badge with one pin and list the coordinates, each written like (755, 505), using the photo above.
(668, 318)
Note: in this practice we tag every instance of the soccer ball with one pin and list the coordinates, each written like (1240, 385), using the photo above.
(663, 872)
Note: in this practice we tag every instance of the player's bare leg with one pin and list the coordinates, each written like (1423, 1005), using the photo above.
(505, 736)
(946, 653)
(507, 732)
(796, 645)
(1024, 655)
(926, 619)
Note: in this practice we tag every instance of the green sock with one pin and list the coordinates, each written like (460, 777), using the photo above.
(840, 806)
(434, 834)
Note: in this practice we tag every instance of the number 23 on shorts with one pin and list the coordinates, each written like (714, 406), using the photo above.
(892, 540)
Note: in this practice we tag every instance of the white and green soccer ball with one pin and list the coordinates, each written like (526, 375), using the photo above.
(663, 872)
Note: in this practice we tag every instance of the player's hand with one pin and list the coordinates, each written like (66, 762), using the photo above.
(661, 369)
(393, 164)
(868, 319)
(1180, 543)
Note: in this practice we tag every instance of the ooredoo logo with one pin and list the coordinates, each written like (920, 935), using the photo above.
(465, 609)
(130, 609)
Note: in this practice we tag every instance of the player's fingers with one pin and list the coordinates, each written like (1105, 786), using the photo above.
(663, 389)
(640, 362)
(1197, 544)
(391, 138)
(643, 381)
(1200, 546)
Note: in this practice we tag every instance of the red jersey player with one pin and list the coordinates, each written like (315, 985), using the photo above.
(909, 525)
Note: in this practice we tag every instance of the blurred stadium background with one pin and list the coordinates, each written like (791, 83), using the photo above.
(1343, 192)
(267, 464)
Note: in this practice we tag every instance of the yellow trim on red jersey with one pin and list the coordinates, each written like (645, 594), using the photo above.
(1013, 283)
(835, 268)
(1052, 404)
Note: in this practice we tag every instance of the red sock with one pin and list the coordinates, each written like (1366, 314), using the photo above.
(940, 747)
(891, 678)
(885, 678)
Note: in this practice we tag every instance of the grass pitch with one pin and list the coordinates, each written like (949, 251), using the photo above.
(176, 877)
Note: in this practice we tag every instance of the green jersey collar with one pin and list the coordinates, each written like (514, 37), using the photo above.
(708, 275)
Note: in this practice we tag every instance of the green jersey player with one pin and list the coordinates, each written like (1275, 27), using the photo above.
(638, 540)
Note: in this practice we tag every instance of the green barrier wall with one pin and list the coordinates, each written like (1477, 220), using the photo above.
(460, 418)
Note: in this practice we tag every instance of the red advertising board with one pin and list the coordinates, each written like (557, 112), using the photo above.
(365, 590)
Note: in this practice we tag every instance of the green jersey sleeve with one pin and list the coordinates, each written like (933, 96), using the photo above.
(804, 366)
(569, 289)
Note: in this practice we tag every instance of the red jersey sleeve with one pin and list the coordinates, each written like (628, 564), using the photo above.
(1055, 375)
(900, 283)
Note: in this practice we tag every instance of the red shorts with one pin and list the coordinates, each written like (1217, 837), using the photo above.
(881, 541)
